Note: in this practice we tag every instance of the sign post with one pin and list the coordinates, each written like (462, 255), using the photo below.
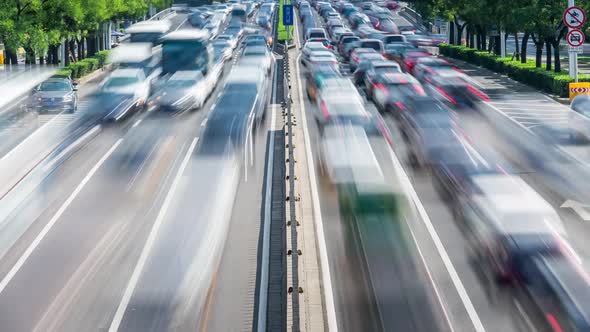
(288, 19)
(574, 17)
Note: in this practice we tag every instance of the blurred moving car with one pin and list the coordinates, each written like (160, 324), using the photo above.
(366, 63)
(428, 66)
(317, 77)
(364, 75)
(321, 58)
(579, 119)
(429, 131)
(454, 88)
(339, 103)
(148, 31)
(507, 223)
(233, 42)
(126, 90)
(391, 91)
(359, 54)
(375, 44)
(347, 156)
(311, 47)
(315, 33)
(222, 50)
(553, 292)
(257, 56)
(183, 91)
(55, 95)
(345, 44)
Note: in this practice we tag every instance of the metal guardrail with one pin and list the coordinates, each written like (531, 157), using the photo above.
(160, 15)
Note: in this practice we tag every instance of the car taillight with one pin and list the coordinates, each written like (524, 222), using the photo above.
(478, 93)
(553, 322)
(400, 105)
(355, 58)
(381, 87)
(446, 95)
(419, 89)
(325, 110)
(409, 64)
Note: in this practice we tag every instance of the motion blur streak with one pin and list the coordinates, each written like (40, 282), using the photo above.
(55, 218)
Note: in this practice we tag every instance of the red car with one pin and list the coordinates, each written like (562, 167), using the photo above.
(393, 5)
(410, 60)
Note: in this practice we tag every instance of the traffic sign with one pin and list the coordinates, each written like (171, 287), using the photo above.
(287, 15)
(574, 17)
(575, 38)
(578, 49)
(582, 88)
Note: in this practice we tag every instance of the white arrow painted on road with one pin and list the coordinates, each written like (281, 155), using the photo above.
(578, 208)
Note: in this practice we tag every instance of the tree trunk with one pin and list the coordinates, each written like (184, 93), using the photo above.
(91, 47)
(497, 45)
(556, 57)
(484, 40)
(29, 56)
(548, 60)
(452, 33)
(55, 55)
(516, 49)
(72, 48)
(470, 37)
(523, 47)
(478, 41)
(538, 54)
(11, 57)
(41, 59)
(80, 49)
(460, 34)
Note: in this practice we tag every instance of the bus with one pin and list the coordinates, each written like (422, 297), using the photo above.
(186, 50)
(148, 31)
(190, 3)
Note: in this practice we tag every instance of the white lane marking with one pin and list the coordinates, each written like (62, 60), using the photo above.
(263, 293)
(325, 265)
(118, 318)
(204, 122)
(181, 24)
(145, 161)
(21, 261)
(137, 123)
(405, 181)
(436, 292)
(525, 316)
(72, 146)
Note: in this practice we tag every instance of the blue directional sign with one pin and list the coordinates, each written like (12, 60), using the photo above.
(287, 15)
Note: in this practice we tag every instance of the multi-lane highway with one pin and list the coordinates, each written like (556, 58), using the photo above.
(161, 222)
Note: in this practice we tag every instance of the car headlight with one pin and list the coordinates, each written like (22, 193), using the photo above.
(68, 98)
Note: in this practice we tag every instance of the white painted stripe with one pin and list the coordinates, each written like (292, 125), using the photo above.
(137, 123)
(150, 242)
(524, 315)
(325, 265)
(21, 261)
(405, 180)
(72, 146)
(436, 292)
(117, 319)
(204, 122)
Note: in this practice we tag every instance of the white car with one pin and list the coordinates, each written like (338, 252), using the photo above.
(257, 55)
(310, 47)
(130, 87)
(184, 90)
(320, 58)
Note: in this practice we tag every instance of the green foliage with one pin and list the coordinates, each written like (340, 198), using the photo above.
(86, 66)
(555, 83)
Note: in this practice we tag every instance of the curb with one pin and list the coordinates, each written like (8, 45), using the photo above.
(563, 101)
(94, 74)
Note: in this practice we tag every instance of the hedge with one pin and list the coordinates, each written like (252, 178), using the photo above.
(549, 81)
(83, 67)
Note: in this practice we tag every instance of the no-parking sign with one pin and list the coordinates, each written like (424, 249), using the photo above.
(575, 38)
(574, 17)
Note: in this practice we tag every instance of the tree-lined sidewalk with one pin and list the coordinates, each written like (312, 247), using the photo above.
(539, 20)
(40, 26)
